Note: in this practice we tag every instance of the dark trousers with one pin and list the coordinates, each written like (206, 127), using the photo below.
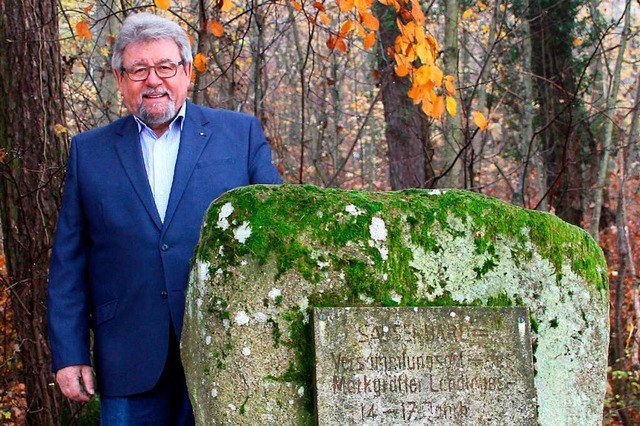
(167, 404)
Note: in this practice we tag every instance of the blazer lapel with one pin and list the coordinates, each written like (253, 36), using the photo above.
(193, 139)
(130, 153)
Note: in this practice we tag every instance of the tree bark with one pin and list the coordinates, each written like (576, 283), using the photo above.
(31, 168)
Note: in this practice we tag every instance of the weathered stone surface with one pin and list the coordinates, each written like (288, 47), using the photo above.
(462, 366)
(268, 254)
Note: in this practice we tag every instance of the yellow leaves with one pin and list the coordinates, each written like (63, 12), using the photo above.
(59, 129)
(82, 30)
(479, 120)
(162, 4)
(216, 28)
(225, 5)
(297, 6)
(577, 42)
(200, 63)
(428, 74)
(467, 14)
(452, 106)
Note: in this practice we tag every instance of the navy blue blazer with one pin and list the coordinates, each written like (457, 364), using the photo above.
(116, 268)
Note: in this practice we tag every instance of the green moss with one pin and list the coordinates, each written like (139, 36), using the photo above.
(319, 215)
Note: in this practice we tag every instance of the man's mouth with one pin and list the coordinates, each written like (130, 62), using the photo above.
(154, 95)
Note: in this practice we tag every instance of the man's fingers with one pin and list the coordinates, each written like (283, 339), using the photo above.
(87, 381)
(70, 380)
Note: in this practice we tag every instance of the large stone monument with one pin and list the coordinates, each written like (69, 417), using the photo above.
(269, 255)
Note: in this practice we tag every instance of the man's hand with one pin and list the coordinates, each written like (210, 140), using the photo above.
(76, 382)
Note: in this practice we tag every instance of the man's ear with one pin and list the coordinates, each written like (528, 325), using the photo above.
(188, 69)
(118, 75)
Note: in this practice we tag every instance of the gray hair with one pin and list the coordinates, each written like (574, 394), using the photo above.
(146, 27)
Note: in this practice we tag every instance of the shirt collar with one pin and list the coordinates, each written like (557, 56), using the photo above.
(178, 120)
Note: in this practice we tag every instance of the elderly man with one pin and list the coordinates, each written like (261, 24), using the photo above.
(135, 194)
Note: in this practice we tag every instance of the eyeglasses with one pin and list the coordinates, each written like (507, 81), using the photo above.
(163, 70)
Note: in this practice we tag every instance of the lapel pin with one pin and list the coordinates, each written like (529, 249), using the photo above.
(201, 133)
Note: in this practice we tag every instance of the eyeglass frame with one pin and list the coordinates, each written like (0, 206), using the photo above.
(148, 69)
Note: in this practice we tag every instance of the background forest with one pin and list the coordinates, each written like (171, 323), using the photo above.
(532, 101)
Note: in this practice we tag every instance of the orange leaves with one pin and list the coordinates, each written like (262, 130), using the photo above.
(337, 43)
(415, 50)
(448, 85)
(200, 62)
(324, 18)
(415, 53)
(162, 4)
(360, 21)
(346, 28)
(416, 12)
(82, 30)
(216, 28)
(369, 40)
(370, 21)
(346, 5)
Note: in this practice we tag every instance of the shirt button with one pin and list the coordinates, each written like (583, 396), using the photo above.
(164, 294)
(164, 247)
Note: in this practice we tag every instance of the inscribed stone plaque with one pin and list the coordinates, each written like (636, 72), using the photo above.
(424, 366)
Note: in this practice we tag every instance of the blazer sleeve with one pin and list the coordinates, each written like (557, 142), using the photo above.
(261, 168)
(68, 290)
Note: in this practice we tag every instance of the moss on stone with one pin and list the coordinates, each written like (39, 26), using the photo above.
(283, 234)
(322, 242)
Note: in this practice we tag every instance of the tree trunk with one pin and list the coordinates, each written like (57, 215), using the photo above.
(560, 114)
(31, 169)
(407, 129)
(453, 133)
(607, 134)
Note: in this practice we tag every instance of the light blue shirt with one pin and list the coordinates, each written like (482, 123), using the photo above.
(160, 155)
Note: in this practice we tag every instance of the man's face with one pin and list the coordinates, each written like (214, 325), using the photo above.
(155, 100)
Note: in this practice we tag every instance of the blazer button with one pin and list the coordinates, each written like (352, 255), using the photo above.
(164, 294)
(164, 247)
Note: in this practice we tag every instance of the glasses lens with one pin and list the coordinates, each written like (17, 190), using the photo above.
(166, 70)
(138, 73)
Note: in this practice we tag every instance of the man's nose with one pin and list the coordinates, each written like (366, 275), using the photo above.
(153, 79)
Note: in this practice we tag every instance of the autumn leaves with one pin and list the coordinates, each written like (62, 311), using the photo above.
(415, 50)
